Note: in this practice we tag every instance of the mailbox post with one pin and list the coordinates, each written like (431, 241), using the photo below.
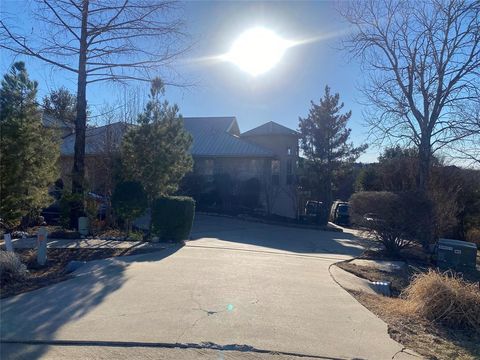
(42, 246)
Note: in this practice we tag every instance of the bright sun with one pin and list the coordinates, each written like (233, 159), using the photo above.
(257, 50)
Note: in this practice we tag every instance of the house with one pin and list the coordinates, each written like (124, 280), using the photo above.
(268, 153)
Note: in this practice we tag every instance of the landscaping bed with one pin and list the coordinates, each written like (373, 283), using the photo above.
(429, 312)
(431, 340)
(54, 271)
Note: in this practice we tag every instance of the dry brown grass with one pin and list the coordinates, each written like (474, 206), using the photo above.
(399, 280)
(419, 334)
(444, 299)
(436, 314)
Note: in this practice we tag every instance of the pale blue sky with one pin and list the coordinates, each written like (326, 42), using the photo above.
(222, 89)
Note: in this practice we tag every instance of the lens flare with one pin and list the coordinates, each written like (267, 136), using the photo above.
(257, 50)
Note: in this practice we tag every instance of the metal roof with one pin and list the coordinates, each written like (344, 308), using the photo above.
(97, 139)
(270, 128)
(211, 124)
(215, 136)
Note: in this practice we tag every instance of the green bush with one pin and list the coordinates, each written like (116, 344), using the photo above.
(129, 201)
(249, 193)
(172, 217)
(70, 204)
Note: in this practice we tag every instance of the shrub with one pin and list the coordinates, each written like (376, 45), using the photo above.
(445, 299)
(200, 188)
(172, 217)
(223, 188)
(249, 193)
(91, 208)
(11, 268)
(129, 201)
(473, 235)
(135, 236)
(397, 219)
(70, 204)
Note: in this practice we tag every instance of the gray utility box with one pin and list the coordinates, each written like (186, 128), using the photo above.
(456, 254)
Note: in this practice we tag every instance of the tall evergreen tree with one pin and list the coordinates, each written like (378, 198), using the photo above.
(156, 152)
(28, 152)
(325, 143)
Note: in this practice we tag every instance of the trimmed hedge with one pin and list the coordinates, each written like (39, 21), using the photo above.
(172, 217)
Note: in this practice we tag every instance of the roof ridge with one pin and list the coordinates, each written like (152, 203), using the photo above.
(270, 127)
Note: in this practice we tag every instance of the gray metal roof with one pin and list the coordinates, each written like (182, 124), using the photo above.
(270, 128)
(97, 139)
(211, 124)
(217, 137)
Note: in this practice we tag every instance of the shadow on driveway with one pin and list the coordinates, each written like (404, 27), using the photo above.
(284, 238)
(44, 311)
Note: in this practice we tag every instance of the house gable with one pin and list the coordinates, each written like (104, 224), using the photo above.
(220, 137)
(270, 128)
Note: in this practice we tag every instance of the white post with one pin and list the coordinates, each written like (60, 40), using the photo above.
(42, 246)
(83, 225)
(8, 242)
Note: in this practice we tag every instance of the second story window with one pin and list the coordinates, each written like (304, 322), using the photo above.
(289, 151)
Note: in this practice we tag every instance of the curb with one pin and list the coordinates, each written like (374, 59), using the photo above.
(350, 282)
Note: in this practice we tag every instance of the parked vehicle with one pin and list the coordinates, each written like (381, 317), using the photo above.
(314, 212)
(52, 213)
(370, 218)
(339, 213)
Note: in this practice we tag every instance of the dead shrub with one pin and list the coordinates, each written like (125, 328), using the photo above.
(397, 220)
(445, 299)
(11, 268)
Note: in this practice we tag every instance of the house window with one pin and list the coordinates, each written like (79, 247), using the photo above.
(289, 151)
(276, 172)
(289, 172)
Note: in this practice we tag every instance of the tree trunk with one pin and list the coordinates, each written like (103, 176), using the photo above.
(78, 171)
(425, 156)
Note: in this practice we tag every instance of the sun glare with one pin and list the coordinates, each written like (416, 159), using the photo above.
(257, 50)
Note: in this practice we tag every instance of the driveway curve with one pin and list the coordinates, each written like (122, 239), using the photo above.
(236, 285)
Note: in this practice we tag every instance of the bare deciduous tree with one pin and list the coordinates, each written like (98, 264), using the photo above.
(102, 40)
(423, 61)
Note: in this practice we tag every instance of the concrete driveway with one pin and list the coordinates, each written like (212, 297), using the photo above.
(237, 290)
